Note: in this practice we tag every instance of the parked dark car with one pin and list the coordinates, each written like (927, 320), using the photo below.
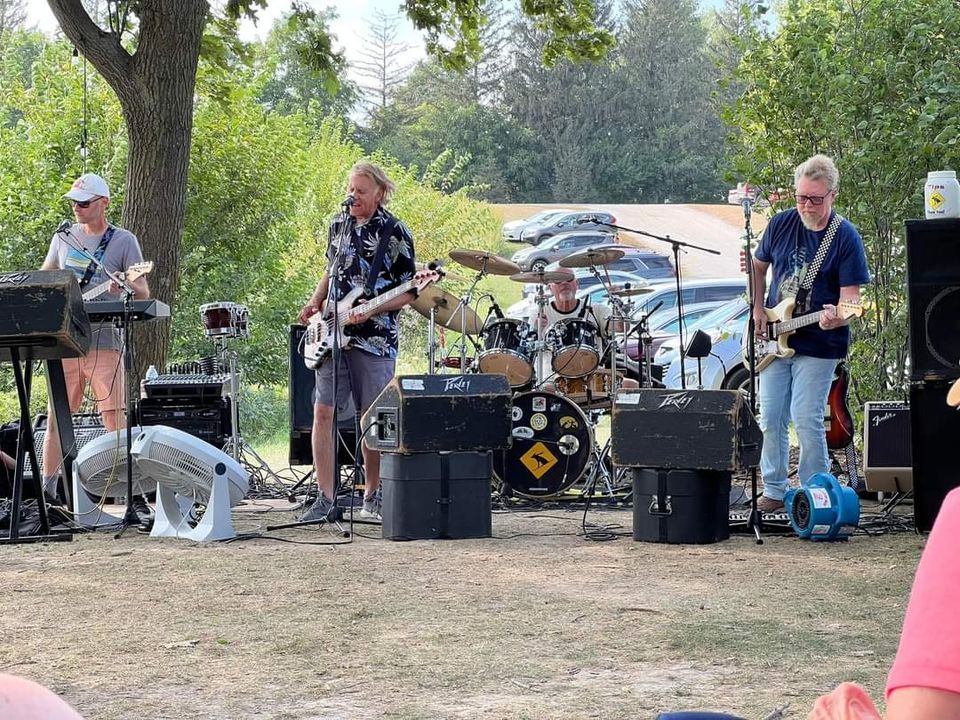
(645, 263)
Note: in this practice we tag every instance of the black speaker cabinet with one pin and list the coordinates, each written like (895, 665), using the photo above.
(887, 463)
(301, 386)
(436, 495)
(933, 297)
(686, 429)
(42, 314)
(934, 429)
(209, 420)
(442, 413)
(681, 506)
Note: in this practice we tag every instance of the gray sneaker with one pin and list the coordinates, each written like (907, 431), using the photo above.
(371, 508)
(323, 508)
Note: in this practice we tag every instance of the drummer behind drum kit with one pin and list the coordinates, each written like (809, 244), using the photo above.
(555, 407)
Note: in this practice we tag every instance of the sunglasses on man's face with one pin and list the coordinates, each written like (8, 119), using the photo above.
(84, 203)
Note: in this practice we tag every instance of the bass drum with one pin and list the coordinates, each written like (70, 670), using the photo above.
(552, 444)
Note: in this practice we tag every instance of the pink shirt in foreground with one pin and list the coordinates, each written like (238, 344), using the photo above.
(929, 652)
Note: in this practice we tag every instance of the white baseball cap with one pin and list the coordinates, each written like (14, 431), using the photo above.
(87, 187)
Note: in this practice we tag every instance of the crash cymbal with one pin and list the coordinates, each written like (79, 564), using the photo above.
(592, 258)
(636, 288)
(542, 277)
(450, 314)
(484, 261)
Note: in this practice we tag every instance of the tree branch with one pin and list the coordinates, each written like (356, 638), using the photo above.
(101, 48)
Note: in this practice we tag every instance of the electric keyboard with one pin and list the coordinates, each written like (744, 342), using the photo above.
(140, 310)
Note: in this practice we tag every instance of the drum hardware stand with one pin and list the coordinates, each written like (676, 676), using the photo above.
(236, 447)
(676, 245)
(461, 308)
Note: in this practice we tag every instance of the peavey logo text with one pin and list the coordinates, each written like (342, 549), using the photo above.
(459, 383)
(677, 400)
(14, 278)
(877, 419)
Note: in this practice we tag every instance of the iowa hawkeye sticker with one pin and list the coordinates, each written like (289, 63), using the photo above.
(538, 460)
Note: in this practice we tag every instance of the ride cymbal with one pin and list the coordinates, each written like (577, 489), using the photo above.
(542, 277)
(592, 258)
(484, 261)
(449, 311)
(634, 289)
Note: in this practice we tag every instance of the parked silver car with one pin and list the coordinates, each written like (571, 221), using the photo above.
(575, 220)
(511, 230)
(559, 247)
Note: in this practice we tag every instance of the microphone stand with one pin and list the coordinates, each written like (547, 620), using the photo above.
(755, 523)
(676, 245)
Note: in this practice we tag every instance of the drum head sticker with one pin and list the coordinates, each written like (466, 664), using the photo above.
(569, 421)
(538, 421)
(516, 413)
(538, 460)
(523, 432)
(538, 403)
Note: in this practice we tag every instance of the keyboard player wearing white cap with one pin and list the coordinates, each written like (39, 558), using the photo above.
(102, 368)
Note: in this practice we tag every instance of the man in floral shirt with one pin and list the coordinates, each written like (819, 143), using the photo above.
(368, 361)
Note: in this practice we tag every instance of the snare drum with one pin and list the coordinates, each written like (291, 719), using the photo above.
(505, 351)
(552, 443)
(226, 320)
(576, 347)
(598, 385)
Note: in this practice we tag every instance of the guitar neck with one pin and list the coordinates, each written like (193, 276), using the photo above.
(787, 326)
(379, 300)
(96, 291)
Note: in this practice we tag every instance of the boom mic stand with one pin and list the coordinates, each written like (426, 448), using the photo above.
(755, 522)
(675, 245)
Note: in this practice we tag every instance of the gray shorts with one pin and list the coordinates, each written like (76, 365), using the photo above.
(361, 376)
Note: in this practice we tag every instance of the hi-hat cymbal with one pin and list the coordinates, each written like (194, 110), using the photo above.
(634, 289)
(484, 261)
(542, 277)
(450, 313)
(592, 258)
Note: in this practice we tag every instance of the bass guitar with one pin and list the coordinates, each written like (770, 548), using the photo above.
(318, 339)
(781, 325)
(133, 272)
(838, 422)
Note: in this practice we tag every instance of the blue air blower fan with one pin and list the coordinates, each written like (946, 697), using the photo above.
(823, 509)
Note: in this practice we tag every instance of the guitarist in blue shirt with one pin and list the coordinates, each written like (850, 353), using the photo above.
(803, 330)
(370, 340)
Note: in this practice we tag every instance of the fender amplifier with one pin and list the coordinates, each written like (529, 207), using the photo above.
(441, 413)
(684, 429)
(887, 457)
(42, 315)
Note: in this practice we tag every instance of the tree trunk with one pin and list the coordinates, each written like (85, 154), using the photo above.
(155, 87)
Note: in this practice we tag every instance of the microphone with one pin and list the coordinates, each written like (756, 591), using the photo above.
(747, 205)
(587, 219)
(64, 226)
(348, 202)
(496, 310)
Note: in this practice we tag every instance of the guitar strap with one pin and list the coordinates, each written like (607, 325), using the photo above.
(814, 268)
(98, 255)
(386, 232)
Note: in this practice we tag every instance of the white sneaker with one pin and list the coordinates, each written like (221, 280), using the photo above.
(371, 508)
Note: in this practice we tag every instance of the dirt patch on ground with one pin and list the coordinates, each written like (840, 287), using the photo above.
(536, 622)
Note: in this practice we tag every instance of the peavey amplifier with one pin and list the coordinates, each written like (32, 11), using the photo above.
(685, 429)
(887, 459)
(441, 413)
(42, 315)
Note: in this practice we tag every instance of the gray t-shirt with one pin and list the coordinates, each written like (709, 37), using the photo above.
(122, 251)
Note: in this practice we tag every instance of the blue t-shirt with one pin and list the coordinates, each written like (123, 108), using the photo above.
(790, 247)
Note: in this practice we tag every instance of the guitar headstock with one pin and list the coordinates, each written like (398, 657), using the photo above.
(425, 277)
(849, 309)
(139, 269)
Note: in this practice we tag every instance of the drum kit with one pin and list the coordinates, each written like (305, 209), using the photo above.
(561, 385)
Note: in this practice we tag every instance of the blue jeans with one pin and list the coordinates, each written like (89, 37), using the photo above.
(793, 388)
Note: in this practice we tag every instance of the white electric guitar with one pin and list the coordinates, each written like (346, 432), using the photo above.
(781, 325)
(318, 339)
(133, 272)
